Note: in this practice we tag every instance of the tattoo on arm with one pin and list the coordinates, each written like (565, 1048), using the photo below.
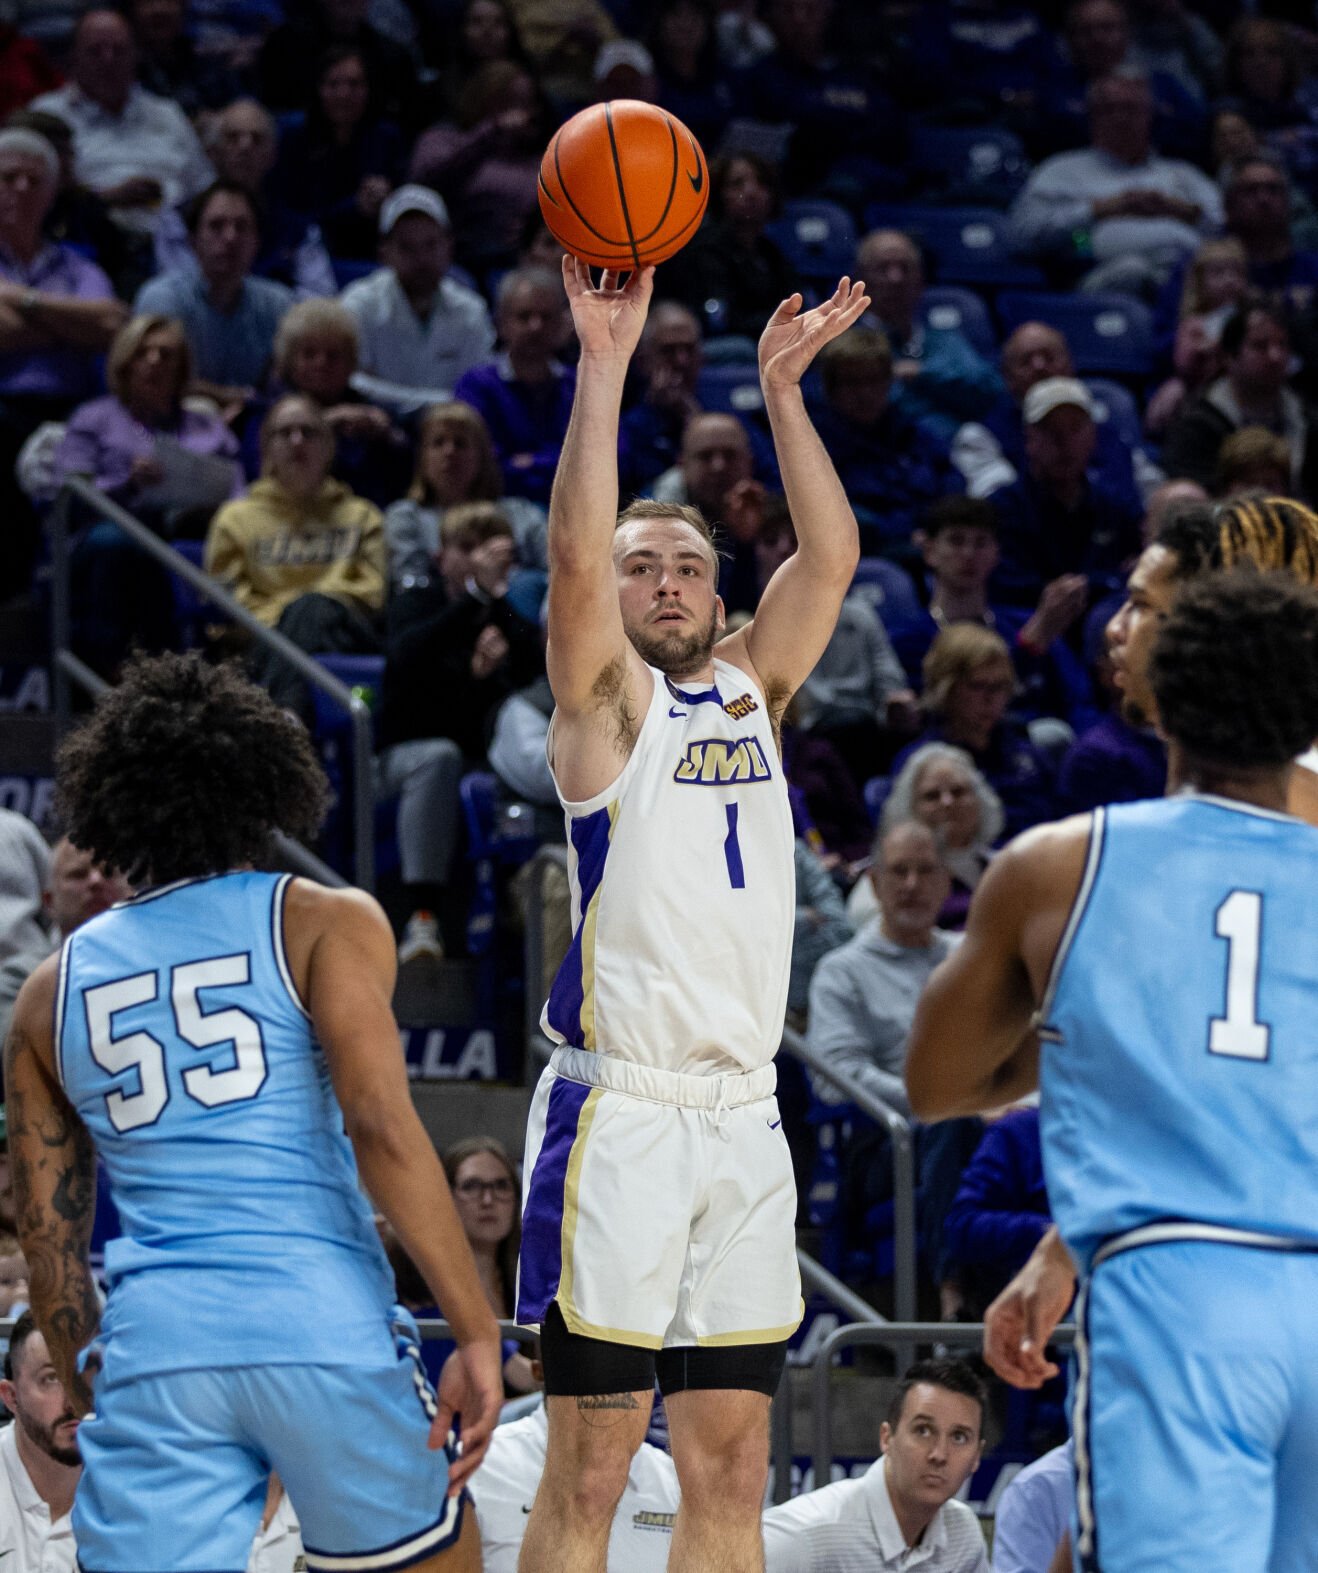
(54, 1169)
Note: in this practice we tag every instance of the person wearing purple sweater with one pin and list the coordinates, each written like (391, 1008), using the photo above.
(525, 393)
(137, 445)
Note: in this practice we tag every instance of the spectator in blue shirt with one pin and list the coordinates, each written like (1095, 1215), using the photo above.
(1034, 1514)
(229, 317)
(968, 684)
(940, 376)
(1001, 1209)
(525, 393)
(891, 465)
(1058, 518)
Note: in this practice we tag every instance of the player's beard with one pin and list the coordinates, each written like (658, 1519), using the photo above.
(676, 654)
(43, 1437)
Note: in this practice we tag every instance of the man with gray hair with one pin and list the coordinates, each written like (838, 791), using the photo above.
(1118, 201)
(58, 313)
(525, 392)
(420, 330)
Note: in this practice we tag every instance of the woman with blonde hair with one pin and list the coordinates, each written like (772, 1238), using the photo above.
(455, 464)
(969, 683)
(316, 354)
(122, 444)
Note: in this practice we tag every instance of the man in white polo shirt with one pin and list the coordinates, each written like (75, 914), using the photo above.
(504, 1487)
(418, 329)
(39, 1462)
(900, 1513)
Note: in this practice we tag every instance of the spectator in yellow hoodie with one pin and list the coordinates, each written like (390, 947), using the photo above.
(301, 551)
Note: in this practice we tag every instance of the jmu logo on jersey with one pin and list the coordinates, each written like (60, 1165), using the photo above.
(740, 707)
(721, 761)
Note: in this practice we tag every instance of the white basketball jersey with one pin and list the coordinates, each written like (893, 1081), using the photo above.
(683, 890)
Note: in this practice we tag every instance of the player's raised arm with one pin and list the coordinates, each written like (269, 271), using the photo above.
(799, 607)
(585, 626)
(54, 1168)
(341, 944)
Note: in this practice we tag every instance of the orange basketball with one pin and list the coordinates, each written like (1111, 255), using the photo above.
(623, 185)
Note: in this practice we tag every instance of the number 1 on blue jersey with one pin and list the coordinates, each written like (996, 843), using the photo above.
(1240, 1035)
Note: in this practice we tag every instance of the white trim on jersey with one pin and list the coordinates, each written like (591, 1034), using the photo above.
(277, 943)
(1214, 1233)
(1254, 810)
(1084, 1476)
(61, 1005)
(437, 1538)
(1097, 832)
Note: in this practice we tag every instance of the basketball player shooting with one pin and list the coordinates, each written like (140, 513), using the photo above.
(659, 1203)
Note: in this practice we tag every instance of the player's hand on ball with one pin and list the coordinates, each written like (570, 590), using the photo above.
(608, 316)
(1019, 1323)
(470, 1385)
(794, 337)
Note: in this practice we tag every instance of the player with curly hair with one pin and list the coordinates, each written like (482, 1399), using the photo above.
(1140, 966)
(224, 1042)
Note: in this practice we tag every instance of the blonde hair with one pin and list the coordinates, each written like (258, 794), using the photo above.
(956, 653)
(1249, 450)
(127, 344)
(1192, 296)
(861, 347)
(488, 485)
(641, 508)
(311, 319)
(1276, 534)
(317, 420)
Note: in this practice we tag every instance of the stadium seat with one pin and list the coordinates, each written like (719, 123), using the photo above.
(888, 589)
(1116, 407)
(733, 389)
(817, 237)
(332, 734)
(490, 846)
(1110, 335)
(191, 611)
(964, 245)
(949, 306)
(347, 270)
(979, 164)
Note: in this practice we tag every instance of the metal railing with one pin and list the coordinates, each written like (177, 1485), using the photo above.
(903, 1166)
(76, 495)
(897, 1336)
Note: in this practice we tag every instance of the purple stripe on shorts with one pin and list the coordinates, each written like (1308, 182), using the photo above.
(541, 1264)
(590, 841)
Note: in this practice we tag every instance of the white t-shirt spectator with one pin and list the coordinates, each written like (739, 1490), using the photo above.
(405, 363)
(504, 1488)
(850, 1527)
(29, 1541)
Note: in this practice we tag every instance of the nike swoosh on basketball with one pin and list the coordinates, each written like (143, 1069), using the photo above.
(698, 179)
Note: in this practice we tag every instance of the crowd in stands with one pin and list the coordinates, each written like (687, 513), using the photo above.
(273, 278)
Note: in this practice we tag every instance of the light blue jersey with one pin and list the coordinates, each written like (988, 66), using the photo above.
(184, 1048)
(1179, 1073)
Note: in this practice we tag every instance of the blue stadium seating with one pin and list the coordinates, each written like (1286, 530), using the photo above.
(876, 795)
(1109, 335)
(191, 611)
(818, 238)
(950, 306)
(731, 389)
(965, 245)
(332, 732)
(979, 164)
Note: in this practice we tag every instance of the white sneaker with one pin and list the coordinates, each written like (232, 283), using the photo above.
(420, 940)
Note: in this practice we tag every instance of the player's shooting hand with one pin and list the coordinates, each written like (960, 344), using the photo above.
(608, 316)
(470, 1385)
(794, 337)
(1020, 1321)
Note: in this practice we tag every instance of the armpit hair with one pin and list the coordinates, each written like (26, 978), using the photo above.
(777, 697)
(615, 701)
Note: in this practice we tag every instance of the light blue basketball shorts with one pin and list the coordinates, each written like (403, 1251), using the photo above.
(1195, 1411)
(175, 1467)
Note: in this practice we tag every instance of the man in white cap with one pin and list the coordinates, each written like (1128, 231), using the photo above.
(1060, 516)
(419, 329)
